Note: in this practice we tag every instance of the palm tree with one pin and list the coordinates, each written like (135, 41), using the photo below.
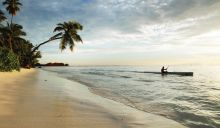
(12, 6)
(12, 35)
(68, 33)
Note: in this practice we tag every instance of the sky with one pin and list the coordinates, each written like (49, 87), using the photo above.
(127, 32)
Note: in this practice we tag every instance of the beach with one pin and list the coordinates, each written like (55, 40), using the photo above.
(40, 99)
(109, 64)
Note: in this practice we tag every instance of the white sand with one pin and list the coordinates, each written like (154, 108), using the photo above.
(38, 99)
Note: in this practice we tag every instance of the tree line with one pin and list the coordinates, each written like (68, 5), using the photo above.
(16, 51)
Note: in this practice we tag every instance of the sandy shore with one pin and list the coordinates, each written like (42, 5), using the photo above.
(39, 99)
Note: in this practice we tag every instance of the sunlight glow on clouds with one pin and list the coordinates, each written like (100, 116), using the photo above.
(129, 31)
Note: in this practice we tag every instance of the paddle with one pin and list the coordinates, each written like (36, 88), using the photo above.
(167, 68)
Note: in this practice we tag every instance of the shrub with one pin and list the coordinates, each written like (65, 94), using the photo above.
(8, 60)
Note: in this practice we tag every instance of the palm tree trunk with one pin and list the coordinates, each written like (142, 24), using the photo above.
(11, 18)
(10, 41)
(55, 37)
(37, 47)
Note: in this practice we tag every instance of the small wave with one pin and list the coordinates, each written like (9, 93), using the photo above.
(188, 98)
(194, 120)
(125, 77)
(147, 81)
(94, 73)
(106, 74)
(218, 89)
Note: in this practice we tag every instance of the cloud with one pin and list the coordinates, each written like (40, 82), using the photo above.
(126, 26)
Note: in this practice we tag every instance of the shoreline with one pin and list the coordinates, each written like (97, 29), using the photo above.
(47, 100)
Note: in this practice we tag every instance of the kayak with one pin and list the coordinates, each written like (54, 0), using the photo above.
(172, 73)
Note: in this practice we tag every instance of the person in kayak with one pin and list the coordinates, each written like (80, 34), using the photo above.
(164, 70)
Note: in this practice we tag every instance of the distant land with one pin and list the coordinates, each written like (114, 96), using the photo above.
(52, 64)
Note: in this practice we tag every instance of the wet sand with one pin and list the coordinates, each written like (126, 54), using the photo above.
(39, 99)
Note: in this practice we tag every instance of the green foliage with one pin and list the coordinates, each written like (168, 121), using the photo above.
(12, 6)
(2, 16)
(8, 60)
(69, 34)
(24, 51)
(11, 35)
(16, 51)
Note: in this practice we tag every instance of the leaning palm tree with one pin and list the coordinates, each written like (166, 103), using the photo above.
(12, 6)
(68, 33)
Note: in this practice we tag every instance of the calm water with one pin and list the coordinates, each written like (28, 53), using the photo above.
(192, 101)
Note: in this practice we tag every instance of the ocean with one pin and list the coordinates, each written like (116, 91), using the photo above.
(191, 100)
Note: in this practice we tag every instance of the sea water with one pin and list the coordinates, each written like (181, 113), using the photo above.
(191, 100)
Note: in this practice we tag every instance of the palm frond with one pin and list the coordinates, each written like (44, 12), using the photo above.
(68, 34)
(5, 2)
(60, 24)
(63, 42)
(55, 36)
(78, 26)
(71, 42)
(58, 28)
(77, 38)
(12, 6)
(2, 16)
